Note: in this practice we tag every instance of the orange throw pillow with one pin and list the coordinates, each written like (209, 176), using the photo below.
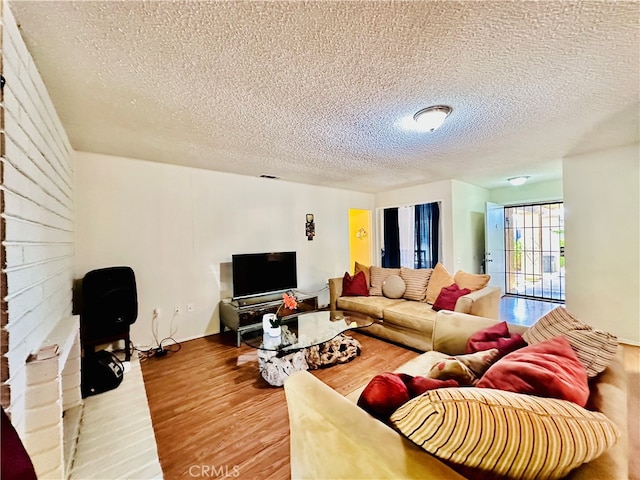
(472, 281)
(440, 278)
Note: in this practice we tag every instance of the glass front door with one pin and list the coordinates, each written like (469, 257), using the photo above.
(534, 251)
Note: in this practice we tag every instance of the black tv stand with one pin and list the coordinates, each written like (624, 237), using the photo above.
(245, 314)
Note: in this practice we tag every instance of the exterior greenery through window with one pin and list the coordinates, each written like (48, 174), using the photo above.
(534, 250)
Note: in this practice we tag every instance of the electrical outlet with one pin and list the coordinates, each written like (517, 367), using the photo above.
(189, 307)
(176, 310)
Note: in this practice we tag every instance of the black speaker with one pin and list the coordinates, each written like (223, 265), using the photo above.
(109, 302)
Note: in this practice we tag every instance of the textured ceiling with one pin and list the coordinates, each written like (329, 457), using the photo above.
(315, 92)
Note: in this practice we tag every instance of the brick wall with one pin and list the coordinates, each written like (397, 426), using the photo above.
(37, 216)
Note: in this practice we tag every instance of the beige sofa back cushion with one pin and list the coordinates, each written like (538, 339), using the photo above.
(416, 281)
(364, 269)
(472, 281)
(440, 278)
(378, 275)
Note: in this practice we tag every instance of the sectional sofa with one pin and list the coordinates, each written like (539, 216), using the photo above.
(331, 437)
(408, 317)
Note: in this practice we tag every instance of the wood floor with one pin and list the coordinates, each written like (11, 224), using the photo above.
(215, 417)
(212, 412)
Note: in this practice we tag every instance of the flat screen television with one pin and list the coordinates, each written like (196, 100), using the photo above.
(263, 273)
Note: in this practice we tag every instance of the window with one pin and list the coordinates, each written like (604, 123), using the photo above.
(411, 236)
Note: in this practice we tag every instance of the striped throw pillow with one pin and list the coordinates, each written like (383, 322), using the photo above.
(378, 275)
(595, 349)
(416, 281)
(504, 433)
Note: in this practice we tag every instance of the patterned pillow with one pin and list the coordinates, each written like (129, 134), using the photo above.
(464, 369)
(595, 349)
(416, 281)
(440, 278)
(505, 433)
(378, 274)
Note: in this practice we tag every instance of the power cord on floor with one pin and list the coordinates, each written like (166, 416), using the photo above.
(164, 347)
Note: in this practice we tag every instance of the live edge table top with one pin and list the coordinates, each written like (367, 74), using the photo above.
(306, 330)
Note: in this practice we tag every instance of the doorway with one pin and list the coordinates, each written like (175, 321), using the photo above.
(534, 251)
(359, 237)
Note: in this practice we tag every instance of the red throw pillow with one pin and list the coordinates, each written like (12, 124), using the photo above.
(495, 336)
(498, 330)
(383, 395)
(355, 286)
(448, 297)
(387, 392)
(546, 369)
(419, 385)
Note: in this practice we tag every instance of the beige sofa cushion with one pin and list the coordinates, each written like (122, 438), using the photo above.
(364, 269)
(378, 274)
(372, 306)
(440, 278)
(416, 281)
(472, 281)
(414, 315)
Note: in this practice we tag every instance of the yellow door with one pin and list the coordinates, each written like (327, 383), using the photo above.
(360, 237)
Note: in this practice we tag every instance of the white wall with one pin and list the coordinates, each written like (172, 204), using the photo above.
(468, 209)
(602, 227)
(175, 226)
(537, 192)
(37, 186)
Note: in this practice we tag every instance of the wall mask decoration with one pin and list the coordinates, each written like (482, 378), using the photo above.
(310, 227)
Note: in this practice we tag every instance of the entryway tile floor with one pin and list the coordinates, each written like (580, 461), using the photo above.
(524, 311)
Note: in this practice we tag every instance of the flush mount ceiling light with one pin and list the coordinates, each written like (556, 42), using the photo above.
(432, 118)
(517, 181)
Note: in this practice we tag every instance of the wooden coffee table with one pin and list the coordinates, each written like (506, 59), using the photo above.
(306, 338)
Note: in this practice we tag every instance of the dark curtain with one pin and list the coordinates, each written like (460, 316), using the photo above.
(391, 253)
(427, 218)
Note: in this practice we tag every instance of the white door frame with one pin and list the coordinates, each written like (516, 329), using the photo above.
(494, 256)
